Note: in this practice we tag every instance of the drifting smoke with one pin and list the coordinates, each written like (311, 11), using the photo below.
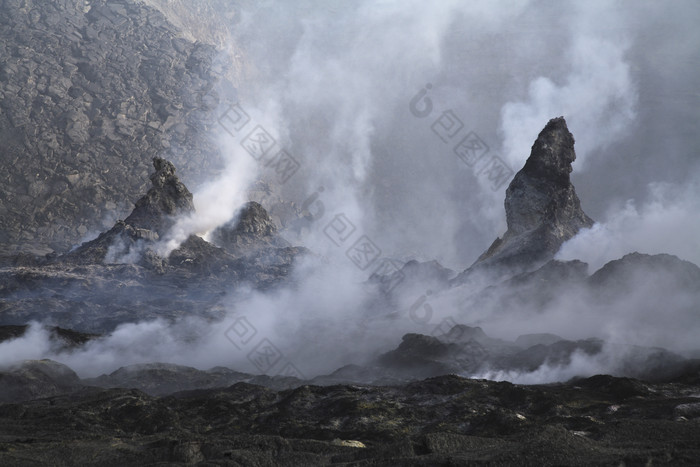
(32, 345)
(215, 202)
(333, 83)
(664, 224)
(597, 93)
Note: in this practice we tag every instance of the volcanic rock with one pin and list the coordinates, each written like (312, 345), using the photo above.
(119, 277)
(33, 379)
(153, 215)
(159, 379)
(542, 209)
(542, 338)
(445, 420)
(662, 269)
(167, 198)
(251, 230)
(88, 93)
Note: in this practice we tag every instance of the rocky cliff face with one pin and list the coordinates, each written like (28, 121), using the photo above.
(542, 209)
(89, 92)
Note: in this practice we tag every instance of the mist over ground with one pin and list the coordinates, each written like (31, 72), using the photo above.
(372, 100)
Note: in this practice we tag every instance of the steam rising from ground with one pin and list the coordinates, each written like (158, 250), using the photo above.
(664, 224)
(333, 85)
(327, 320)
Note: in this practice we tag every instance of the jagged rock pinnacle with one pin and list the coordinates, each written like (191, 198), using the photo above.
(167, 197)
(542, 209)
(152, 216)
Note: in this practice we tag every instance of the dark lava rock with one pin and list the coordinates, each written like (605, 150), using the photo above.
(661, 270)
(544, 338)
(622, 388)
(542, 209)
(420, 356)
(10, 332)
(152, 216)
(251, 230)
(167, 198)
(119, 277)
(445, 420)
(160, 379)
(556, 354)
(34, 379)
(88, 94)
(468, 351)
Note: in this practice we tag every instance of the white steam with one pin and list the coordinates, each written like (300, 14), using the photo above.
(33, 345)
(215, 202)
(597, 95)
(667, 223)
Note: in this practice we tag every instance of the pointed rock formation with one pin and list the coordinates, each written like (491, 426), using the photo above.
(152, 216)
(252, 230)
(542, 209)
(167, 198)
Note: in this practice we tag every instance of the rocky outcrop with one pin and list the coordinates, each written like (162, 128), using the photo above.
(167, 198)
(542, 209)
(34, 379)
(469, 351)
(446, 420)
(251, 230)
(120, 277)
(421, 356)
(655, 270)
(151, 218)
(88, 93)
(158, 379)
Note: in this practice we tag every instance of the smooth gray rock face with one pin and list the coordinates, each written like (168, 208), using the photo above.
(542, 209)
